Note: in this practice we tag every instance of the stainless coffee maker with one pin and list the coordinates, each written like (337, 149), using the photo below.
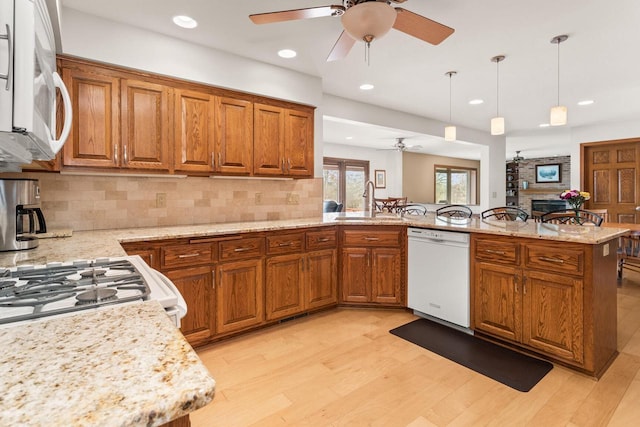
(20, 216)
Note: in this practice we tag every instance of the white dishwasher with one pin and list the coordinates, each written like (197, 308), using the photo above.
(438, 269)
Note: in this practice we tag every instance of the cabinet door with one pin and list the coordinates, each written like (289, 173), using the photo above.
(268, 140)
(298, 143)
(356, 275)
(284, 286)
(497, 300)
(239, 295)
(321, 278)
(553, 315)
(145, 125)
(95, 135)
(234, 136)
(194, 131)
(196, 287)
(386, 275)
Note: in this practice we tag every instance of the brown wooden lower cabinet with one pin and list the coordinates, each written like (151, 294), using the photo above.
(239, 295)
(545, 297)
(373, 266)
(196, 287)
(321, 279)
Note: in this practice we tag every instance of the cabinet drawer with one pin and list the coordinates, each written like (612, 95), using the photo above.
(321, 239)
(547, 257)
(498, 251)
(285, 243)
(371, 238)
(186, 255)
(249, 247)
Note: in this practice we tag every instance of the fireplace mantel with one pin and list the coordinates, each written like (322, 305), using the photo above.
(541, 191)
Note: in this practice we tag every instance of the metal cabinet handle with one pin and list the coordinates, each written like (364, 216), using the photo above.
(115, 154)
(213, 160)
(124, 154)
(556, 260)
(219, 159)
(289, 165)
(524, 285)
(242, 249)
(189, 255)
(322, 239)
(371, 239)
(9, 76)
(285, 244)
(515, 283)
(491, 251)
(213, 279)
(283, 167)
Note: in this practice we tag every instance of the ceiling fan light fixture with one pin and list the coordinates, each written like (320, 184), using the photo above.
(497, 126)
(369, 20)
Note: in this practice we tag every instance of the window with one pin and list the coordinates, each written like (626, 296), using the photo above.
(343, 181)
(456, 185)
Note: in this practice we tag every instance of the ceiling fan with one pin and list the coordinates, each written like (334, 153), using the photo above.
(401, 146)
(364, 20)
(518, 157)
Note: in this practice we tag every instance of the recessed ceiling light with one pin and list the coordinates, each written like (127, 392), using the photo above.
(476, 102)
(287, 53)
(544, 125)
(185, 21)
(366, 86)
(349, 137)
(586, 102)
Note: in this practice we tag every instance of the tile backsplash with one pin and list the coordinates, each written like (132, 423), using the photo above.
(89, 202)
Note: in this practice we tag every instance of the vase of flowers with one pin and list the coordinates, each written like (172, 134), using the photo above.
(575, 198)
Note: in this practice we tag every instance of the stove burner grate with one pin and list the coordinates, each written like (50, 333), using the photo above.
(96, 295)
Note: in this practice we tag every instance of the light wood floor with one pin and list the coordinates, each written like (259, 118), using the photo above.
(344, 368)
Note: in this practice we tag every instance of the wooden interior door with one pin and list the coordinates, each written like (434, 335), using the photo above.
(610, 174)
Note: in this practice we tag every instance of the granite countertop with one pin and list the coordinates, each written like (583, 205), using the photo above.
(125, 365)
(106, 243)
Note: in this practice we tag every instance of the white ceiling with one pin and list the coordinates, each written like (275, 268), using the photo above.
(599, 61)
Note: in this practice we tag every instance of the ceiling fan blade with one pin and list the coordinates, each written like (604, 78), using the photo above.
(291, 15)
(420, 27)
(413, 147)
(342, 47)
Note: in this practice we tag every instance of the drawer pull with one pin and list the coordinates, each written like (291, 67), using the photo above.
(556, 260)
(322, 239)
(243, 249)
(189, 255)
(373, 239)
(491, 251)
(285, 244)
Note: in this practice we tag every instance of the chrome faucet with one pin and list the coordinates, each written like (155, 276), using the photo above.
(372, 202)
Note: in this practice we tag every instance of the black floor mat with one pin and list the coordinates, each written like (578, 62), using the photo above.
(516, 370)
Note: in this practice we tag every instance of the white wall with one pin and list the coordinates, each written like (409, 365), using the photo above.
(390, 161)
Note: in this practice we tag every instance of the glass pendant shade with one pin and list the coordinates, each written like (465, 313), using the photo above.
(368, 21)
(497, 126)
(558, 115)
(450, 133)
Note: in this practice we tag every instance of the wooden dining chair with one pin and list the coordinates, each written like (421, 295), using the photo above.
(604, 213)
(390, 204)
(505, 213)
(455, 211)
(573, 217)
(629, 253)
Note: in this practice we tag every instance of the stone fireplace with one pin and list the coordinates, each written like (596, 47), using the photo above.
(544, 205)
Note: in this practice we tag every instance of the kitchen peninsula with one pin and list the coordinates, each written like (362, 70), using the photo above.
(521, 272)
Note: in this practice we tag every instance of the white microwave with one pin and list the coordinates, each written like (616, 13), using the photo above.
(28, 83)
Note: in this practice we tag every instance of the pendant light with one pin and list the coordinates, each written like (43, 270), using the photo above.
(559, 112)
(450, 130)
(497, 123)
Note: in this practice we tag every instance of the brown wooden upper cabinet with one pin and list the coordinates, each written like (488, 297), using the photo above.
(117, 123)
(194, 131)
(234, 136)
(283, 141)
